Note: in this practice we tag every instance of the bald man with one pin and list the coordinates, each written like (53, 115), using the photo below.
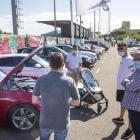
(131, 99)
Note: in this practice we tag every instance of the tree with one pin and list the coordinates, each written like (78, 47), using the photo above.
(1, 31)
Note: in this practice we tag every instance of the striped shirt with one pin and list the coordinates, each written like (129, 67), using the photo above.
(131, 99)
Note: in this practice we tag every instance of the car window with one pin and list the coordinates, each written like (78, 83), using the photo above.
(67, 49)
(50, 51)
(8, 62)
(17, 60)
(26, 51)
(31, 63)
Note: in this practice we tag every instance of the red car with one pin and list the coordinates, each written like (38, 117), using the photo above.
(96, 47)
(16, 107)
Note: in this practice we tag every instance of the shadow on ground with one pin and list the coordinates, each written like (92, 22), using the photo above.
(7, 133)
(84, 113)
(114, 134)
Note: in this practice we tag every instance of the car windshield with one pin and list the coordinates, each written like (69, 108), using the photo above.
(2, 75)
(41, 61)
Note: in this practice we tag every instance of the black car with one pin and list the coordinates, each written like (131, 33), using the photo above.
(49, 50)
(96, 44)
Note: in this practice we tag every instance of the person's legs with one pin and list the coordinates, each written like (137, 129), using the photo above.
(60, 134)
(45, 133)
(72, 75)
(122, 112)
(119, 97)
(134, 117)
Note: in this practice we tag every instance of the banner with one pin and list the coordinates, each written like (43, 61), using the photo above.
(84, 7)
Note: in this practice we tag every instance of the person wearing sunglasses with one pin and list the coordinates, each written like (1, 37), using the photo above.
(125, 69)
(131, 99)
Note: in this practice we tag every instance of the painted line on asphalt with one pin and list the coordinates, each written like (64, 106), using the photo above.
(102, 61)
(97, 70)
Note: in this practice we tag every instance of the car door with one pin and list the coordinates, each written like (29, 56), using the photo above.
(6, 64)
(30, 69)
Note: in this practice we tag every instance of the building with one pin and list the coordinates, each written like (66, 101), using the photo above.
(135, 30)
(125, 25)
(65, 26)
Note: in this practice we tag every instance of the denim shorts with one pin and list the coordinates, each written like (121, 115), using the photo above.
(45, 134)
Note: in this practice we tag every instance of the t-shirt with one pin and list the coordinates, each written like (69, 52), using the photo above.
(55, 89)
(73, 61)
(125, 69)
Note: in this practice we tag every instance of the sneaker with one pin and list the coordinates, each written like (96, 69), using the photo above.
(118, 120)
(127, 134)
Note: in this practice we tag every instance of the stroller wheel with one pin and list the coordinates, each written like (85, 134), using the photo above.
(106, 103)
(99, 108)
(79, 105)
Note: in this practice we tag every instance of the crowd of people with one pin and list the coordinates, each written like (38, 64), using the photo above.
(62, 92)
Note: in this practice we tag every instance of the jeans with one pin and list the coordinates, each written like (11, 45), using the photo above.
(45, 134)
(134, 117)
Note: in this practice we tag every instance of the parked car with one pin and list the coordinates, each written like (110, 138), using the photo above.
(137, 44)
(102, 50)
(49, 50)
(16, 108)
(135, 50)
(96, 44)
(35, 67)
(80, 48)
(82, 53)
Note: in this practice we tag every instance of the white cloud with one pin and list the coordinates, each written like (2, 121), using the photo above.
(31, 27)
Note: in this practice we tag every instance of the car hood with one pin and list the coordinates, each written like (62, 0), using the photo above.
(86, 53)
(20, 66)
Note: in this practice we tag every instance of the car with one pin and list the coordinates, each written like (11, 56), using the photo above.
(68, 49)
(137, 44)
(134, 51)
(101, 49)
(49, 50)
(16, 107)
(80, 48)
(97, 43)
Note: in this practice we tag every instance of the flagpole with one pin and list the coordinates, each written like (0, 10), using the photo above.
(94, 24)
(80, 30)
(72, 36)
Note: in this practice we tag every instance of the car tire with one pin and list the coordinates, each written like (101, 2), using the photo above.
(23, 117)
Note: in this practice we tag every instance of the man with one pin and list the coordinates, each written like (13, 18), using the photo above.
(125, 69)
(73, 63)
(56, 92)
(131, 99)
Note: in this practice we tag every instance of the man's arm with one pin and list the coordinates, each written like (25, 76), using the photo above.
(36, 99)
(74, 102)
(66, 65)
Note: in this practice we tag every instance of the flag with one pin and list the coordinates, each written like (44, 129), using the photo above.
(84, 7)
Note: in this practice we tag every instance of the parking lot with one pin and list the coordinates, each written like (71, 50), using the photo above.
(86, 124)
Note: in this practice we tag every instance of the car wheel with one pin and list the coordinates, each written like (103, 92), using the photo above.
(23, 117)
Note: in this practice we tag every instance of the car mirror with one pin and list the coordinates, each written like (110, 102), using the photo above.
(38, 66)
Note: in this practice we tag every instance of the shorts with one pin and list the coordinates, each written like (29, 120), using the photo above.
(119, 95)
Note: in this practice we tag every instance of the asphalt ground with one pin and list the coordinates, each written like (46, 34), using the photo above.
(86, 123)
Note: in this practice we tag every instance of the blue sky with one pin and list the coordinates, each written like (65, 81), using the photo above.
(34, 10)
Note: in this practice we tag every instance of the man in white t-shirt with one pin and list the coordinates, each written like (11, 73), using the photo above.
(125, 69)
(73, 63)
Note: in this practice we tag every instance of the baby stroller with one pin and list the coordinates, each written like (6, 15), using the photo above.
(89, 90)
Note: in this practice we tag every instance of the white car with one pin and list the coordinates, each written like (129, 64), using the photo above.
(34, 68)
(90, 54)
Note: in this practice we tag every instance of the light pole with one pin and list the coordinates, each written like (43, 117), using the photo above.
(54, 18)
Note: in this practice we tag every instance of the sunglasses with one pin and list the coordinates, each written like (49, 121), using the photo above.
(119, 48)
